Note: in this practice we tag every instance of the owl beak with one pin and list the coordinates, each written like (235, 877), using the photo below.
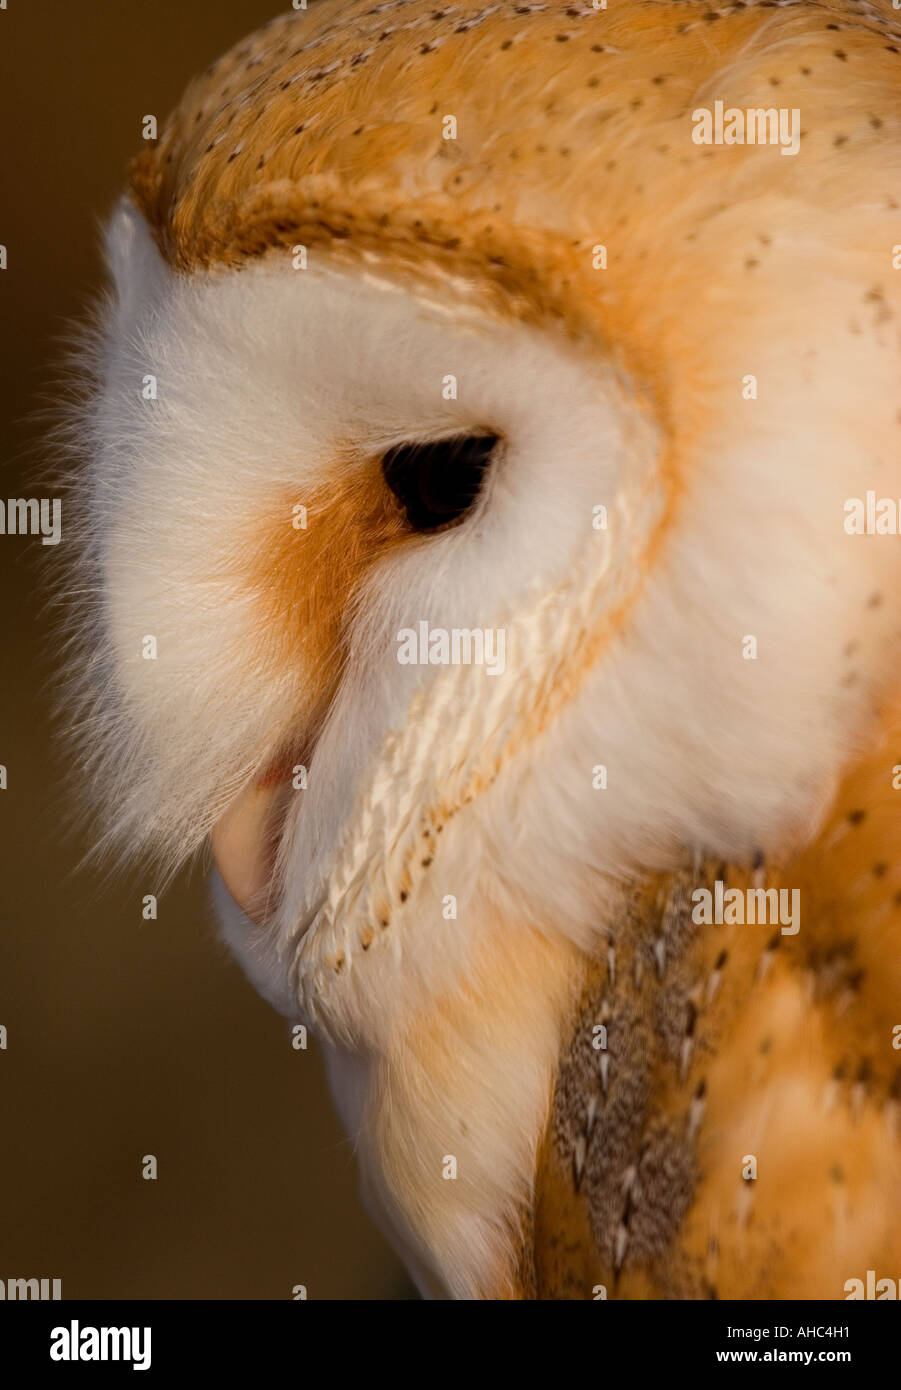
(245, 843)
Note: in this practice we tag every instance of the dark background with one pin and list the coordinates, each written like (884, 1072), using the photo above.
(125, 1037)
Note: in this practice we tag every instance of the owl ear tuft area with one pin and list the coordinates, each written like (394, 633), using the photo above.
(133, 260)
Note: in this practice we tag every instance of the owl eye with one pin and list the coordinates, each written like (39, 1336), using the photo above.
(437, 483)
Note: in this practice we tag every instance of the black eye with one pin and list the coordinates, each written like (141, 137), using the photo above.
(437, 483)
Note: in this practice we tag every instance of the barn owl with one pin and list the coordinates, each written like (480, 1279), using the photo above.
(488, 508)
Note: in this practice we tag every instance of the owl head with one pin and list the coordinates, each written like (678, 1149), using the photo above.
(463, 514)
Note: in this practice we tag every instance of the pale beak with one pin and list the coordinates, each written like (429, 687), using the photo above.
(245, 843)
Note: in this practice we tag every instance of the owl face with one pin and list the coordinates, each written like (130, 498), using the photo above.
(453, 577)
(399, 461)
(296, 469)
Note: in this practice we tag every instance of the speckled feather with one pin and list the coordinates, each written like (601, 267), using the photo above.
(325, 129)
(725, 1041)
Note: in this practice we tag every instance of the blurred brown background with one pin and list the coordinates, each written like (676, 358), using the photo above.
(126, 1037)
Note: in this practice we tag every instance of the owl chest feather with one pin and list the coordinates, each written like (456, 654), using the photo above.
(726, 1109)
